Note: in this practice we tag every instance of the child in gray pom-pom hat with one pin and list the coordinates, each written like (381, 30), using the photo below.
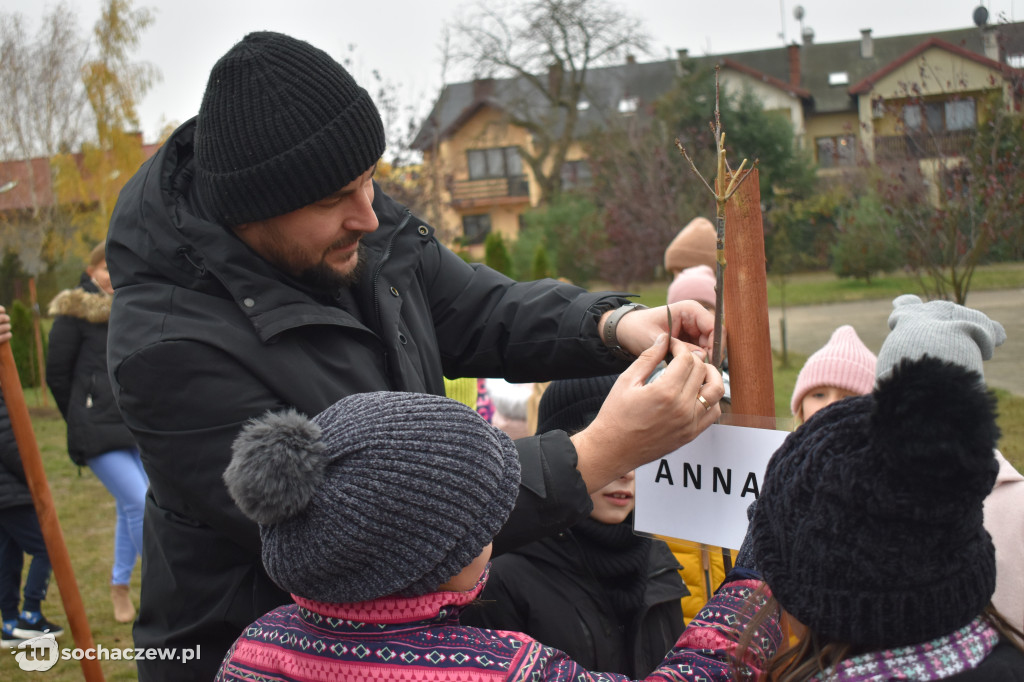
(377, 515)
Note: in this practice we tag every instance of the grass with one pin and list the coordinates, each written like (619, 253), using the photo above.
(87, 514)
(811, 288)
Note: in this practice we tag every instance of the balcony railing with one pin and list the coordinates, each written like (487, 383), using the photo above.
(923, 145)
(489, 188)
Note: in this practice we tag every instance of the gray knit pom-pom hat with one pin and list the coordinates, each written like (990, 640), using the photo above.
(380, 494)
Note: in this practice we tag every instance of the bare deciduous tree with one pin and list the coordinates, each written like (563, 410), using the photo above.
(43, 110)
(544, 48)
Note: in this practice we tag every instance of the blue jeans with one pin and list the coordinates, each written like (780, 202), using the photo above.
(20, 535)
(121, 473)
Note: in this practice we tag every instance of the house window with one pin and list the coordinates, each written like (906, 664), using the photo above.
(475, 228)
(837, 150)
(940, 117)
(496, 162)
(838, 78)
(628, 105)
(575, 174)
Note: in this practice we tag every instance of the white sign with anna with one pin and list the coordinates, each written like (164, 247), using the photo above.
(700, 492)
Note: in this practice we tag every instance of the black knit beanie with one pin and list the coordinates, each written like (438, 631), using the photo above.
(281, 125)
(869, 525)
(380, 494)
(571, 404)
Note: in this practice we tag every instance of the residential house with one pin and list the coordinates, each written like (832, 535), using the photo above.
(872, 99)
(26, 185)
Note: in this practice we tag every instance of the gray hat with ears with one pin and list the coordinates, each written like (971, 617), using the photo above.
(941, 329)
(380, 494)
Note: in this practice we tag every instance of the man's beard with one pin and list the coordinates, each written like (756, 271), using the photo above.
(323, 277)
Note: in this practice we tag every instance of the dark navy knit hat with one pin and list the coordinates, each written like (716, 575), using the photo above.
(281, 126)
(869, 528)
(380, 494)
(571, 404)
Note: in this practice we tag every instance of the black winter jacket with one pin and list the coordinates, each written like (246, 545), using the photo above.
(205, 335)
(546, 590)
(76, 372)
(14, 490)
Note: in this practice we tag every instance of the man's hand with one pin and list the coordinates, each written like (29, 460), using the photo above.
(640, 422)
(5, 326)
(691, 323)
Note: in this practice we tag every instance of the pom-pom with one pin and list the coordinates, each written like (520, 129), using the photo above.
(936, 422)
(277, 465)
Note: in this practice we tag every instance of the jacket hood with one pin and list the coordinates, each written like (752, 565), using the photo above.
(91, 306)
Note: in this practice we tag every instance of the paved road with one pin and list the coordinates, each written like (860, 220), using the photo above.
(809, 328)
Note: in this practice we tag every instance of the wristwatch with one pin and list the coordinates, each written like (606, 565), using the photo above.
(611, 325)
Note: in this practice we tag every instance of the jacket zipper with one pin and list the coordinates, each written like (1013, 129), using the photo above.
(376, 297)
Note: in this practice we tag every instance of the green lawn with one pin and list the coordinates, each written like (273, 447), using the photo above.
(87, 514)
(823, 287)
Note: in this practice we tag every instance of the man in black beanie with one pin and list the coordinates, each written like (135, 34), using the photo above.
(257, 266)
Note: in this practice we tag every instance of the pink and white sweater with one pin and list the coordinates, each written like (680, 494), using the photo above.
(1004, 521)
(420, 638)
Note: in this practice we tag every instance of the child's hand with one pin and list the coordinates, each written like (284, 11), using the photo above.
(5, 325)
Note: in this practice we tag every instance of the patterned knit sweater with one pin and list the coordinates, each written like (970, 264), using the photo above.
(420, 639)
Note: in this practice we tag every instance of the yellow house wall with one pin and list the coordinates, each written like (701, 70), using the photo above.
(935, 73)
(483, 130)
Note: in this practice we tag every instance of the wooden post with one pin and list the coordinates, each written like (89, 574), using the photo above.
(748, 336)
(40, 360)
(21, 425)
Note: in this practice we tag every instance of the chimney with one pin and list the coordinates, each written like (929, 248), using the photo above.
(867, 46)
(483, 88)
(991, 38)
(794, 64)
(808, 35)
(682, 56)
(630, 59)
(555, 78)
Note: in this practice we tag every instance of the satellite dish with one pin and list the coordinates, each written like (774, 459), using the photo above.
(980, 16)
(798, 12)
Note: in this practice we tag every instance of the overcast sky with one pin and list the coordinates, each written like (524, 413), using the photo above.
(400, 38)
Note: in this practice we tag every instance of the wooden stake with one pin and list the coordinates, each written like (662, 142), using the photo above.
(21, 425)
(746, 304)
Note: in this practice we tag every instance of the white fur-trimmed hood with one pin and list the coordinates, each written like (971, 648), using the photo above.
(91, 307)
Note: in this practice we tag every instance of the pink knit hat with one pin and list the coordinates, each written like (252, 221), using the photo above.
(844, 362)
(696, 284)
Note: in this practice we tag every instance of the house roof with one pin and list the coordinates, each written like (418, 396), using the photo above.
(869, 81)
(819, 60)
(606, 86)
